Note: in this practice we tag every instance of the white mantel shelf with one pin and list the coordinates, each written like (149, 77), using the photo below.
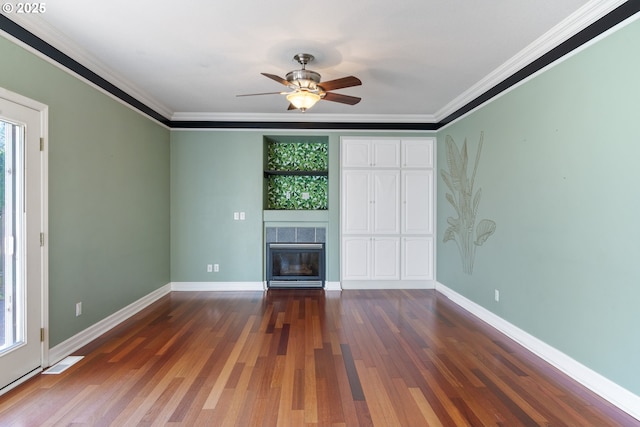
(295, 216)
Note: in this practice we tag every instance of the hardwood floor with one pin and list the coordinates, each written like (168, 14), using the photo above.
(306, 358)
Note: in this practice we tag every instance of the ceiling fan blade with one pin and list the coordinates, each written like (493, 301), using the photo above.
(343, 99)
(340, 83)
(292, 107)
(264, 93)
(277, 79)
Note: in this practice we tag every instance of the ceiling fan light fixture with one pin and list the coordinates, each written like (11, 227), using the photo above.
(303, 100)
(307, 88)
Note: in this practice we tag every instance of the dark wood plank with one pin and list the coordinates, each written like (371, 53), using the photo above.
(307, 358)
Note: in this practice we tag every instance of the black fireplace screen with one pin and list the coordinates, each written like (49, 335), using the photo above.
(295, 265)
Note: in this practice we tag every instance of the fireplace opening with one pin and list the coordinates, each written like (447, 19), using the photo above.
(297, 265)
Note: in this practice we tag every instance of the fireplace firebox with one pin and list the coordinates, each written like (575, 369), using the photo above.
(295, 265)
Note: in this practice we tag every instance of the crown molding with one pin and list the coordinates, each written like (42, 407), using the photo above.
(589, 23)
(305, 117)
(43, 30)
(569, 27)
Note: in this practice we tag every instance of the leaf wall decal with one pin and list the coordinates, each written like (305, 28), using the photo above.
(454, 161)
(449, 234)
(461, 229)
(485, 228)
(476, 200)
(453, 202)
(447, 179)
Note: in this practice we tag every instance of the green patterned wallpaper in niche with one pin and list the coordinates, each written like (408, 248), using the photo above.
(291, 192)
(297, 156)
(296, 169)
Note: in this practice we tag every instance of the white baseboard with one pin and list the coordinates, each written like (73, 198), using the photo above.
(234, 286)
(84, 337)
(607, 389)
(388, 284)
(217, 286)
(332, 286)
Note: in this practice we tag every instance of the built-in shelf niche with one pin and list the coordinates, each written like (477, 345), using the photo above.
(296, 172)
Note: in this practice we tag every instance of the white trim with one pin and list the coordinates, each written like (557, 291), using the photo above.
(43, 110)
(42, 29)
(388, 284)
(44, 229)
(84, 337)
(22, 100)
(306, 117)
(332, 286)
(574, 23)
(233, 286)
(128, 89)
(607, 389)
(20, 380)
(217, 286)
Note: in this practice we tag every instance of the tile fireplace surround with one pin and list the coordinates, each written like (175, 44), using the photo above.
(296, 234)
(291, 237)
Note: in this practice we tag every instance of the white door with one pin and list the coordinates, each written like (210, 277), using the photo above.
(21, 211)
(356, 153)
(386, 201)
(417, 258)
(417, 202)
(417, 153)
(386, 256)
(356, 202)
(386, 153)
(356, 258)
(359, 153)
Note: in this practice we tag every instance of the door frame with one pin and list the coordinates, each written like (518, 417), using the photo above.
(43, 110)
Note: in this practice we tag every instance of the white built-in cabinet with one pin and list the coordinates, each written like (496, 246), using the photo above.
(371, 201)
(387, 212)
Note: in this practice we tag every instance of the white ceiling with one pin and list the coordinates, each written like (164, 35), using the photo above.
(418, 60)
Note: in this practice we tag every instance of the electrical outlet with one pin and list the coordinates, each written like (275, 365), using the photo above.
(496, 295)
(78, 309)
(209, 268)
(236, 216)
(216, 267)
(242, 216)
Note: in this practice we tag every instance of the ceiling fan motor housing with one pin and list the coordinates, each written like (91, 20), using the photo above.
(304, 79)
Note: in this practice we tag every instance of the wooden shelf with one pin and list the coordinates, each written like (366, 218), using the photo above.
(268, 173)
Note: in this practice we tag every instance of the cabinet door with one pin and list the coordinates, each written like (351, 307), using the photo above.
(417, 258)
(386, 202)
(356, 153)
(386, 257)
(417, 202)
(356, 202)
(356, 258)
(386, 153)
(417, 153)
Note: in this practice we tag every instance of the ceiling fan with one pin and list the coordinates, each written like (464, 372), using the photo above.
(307, 89)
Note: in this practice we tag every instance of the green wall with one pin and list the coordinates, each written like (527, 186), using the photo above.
(213, 175)
(216, 173)
(559, 172)
(108, 195)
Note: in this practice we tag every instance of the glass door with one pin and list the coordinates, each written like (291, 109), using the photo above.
(20, 243)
